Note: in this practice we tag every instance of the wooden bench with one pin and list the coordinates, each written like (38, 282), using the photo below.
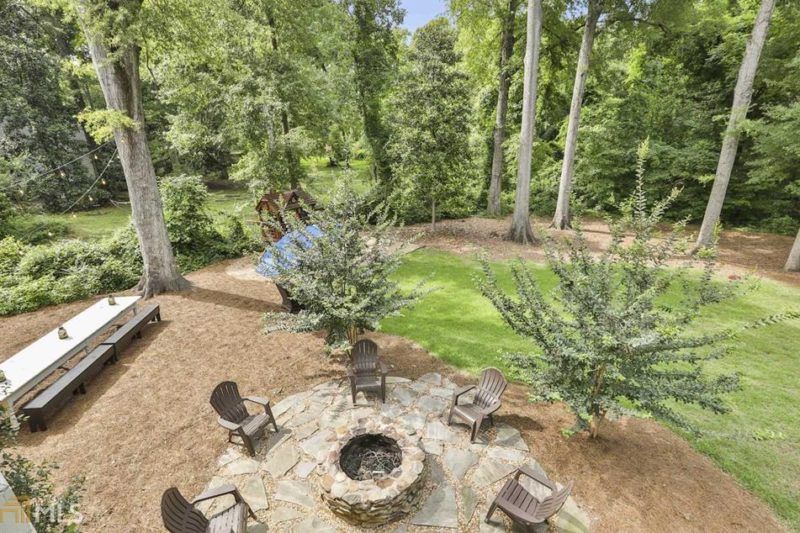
(124, 336)
(54, 397)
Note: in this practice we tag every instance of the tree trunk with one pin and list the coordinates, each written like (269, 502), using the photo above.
(119, 80)
(506, 51)
(793, 263)
(433, 214)
(561, 219)
(741, 102)
(521, 221)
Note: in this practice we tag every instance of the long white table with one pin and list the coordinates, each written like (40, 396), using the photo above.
(33, 364)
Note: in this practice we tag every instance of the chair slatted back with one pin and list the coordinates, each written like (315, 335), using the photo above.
(490, 388)
(365, 357)
(179, 515)
(553, 503)
(228, 403)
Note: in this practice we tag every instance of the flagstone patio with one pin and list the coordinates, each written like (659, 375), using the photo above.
(282, 484)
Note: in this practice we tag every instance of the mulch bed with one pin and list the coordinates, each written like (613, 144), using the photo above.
(145, 424)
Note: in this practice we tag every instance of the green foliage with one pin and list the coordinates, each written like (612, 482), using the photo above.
(48, 512)
(609, 342)
(342, 280)
(429, 145)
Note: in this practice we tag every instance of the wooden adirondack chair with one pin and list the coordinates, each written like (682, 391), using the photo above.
(487, 400)
(234, 417)
(181, 516)
(524, 508)
(367, 371)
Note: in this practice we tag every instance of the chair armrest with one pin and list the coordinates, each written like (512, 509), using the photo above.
(461, 391)
(227, 424)
(539, 478)
(494, 406)
(257, 400)
(222, 490)
(384, 368)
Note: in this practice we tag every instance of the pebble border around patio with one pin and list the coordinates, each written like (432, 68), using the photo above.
(282, 484)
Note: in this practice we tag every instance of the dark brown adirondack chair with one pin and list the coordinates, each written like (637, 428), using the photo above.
(181, 516)
(524, 508)
(234, 417)
(287, 302)
(487, 400)
(367, 371)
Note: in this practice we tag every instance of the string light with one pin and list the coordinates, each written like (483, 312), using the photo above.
(103, 182)
(62, 173)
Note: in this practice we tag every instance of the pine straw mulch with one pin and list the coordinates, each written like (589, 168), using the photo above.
(145, 424)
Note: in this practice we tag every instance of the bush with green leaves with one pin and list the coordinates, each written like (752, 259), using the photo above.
(343, 279)
(48, 511)
(609, 341)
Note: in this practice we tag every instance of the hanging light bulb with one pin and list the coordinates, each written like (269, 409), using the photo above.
(103, 181)
(91, 199)
(95, 156)
(62, 173)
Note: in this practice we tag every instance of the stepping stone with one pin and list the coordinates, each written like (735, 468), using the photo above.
(439, 510)
(298, 492)
(257, 528)
(509, 455)
(437, 430)
(432, 377)
(441, 392)
(215, 482)
(230, 455)
(539, 491)
(254, 493)
(436, 473)
(403, 395)
(315, 524)
(420, 387)
(284, 514)
(319, 441)
(392, 410)
(509, 437)
(459, 461)
(239, 467)
(490, 471)
(571, 518)
(469, 502)
(289, 402)
(396, 379)
(305, 431)
(281, 460)
(414, 419)
(303, 470)
(433, 404)
(435, 447)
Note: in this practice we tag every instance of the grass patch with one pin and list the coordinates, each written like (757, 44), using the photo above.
(758, 442)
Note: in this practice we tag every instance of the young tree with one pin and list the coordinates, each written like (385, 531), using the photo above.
(561, 219)
(730, 142)
(609, 344)
(793, 262)
(109, 29)
(521, 221)
(339, 270)
(499, 134)
(429, 145)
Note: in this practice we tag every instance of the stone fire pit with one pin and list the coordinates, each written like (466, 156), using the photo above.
(390, 487)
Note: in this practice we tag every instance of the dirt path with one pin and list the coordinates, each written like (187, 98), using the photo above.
(740, 253)
(145, 424)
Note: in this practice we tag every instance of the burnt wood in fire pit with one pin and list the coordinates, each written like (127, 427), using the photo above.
(370, 457)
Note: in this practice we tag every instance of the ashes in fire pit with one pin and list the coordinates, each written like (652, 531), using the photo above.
(370, 457)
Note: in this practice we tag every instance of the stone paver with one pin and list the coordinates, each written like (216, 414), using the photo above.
(440, 510)
(254, 493)
(463, 477)
(298, 492)
(459, 461)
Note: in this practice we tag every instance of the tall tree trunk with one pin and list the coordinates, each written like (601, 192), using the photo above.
(506, 51)
(561, 219)
(433, 214)
(793, 263)
(741, 102)
(119, 80)
(521, 221)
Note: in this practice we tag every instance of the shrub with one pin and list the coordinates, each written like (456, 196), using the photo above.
(343, 279)
(11, 252)
(610, 344)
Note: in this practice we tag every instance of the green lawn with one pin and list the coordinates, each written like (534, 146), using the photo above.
(99, 223)
(758, 442)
